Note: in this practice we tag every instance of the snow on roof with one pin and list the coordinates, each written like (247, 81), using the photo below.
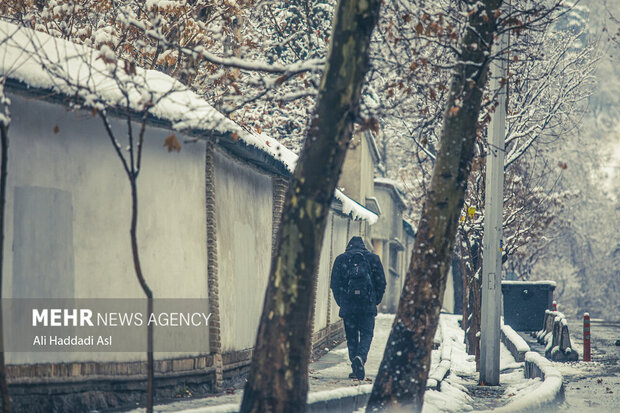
(41, 61)
(357, 211)
(408, 226)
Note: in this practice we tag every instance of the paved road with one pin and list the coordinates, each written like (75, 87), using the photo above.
(593, 386)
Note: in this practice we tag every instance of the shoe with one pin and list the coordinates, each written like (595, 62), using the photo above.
(352, 375)
(358, 368)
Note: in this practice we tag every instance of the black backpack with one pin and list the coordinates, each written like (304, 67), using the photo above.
(360, 289)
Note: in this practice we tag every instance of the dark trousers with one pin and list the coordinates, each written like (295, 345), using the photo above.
(359, 329)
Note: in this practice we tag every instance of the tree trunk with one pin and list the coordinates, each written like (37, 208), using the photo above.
(472, 340)
(457, 277)
(474, 328)
(4, 388)
(466, 307)
(401, 380)
(150, 374)
(278, 379)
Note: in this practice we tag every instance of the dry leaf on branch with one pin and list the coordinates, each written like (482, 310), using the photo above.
(172, 143)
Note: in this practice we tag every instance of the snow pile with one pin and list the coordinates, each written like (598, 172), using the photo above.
(101, 81)
(453, 397)
(442, 367)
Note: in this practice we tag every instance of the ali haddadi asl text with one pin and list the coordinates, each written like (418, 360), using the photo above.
(72, 341)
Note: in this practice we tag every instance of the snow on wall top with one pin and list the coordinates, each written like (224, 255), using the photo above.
(357, 211)
(45, 62)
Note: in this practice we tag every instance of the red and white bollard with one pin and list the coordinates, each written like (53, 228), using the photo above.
(554, 306)
(586, 337)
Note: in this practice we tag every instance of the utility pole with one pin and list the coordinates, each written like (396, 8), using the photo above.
(493, 208)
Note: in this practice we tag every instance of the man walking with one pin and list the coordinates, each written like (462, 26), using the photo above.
(358, 283)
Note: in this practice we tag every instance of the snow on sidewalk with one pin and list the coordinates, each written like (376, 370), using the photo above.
(332, 370)
(463, 376)
(330, 373)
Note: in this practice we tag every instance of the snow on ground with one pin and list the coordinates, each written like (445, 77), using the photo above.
(332, 370)
(463, 376)
(591, 386)
(330, 373)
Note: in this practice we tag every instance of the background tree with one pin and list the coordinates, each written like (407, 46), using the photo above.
(550, 76)
(401, 380)
(549, 81)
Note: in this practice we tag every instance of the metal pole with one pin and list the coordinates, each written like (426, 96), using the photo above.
(587, 356)
(492, 259)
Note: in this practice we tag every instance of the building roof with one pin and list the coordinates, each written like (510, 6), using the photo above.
(408, 227)
(40, 64)
(396, 189)
(372, 145)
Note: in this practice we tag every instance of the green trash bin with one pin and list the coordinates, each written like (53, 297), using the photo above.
(525, 303)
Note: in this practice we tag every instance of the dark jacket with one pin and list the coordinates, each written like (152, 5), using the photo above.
(339, 279)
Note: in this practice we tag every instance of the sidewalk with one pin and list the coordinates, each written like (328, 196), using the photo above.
(330, 372)
(328, 377)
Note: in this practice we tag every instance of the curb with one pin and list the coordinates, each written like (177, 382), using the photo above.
(328, 401)
(551, 391)
(339, 400)
(436, 376)
(514, 343)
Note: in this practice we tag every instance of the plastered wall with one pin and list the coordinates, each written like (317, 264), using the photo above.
(244, 231)
(68, 215)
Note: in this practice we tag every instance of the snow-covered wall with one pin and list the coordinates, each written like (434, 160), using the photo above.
(244, 229)
(68, 215)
